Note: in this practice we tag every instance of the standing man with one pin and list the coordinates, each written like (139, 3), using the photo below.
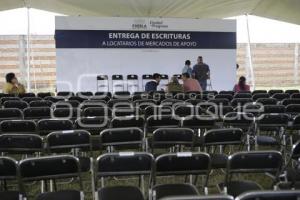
(187, 68)
(151, 86)
(201, 72)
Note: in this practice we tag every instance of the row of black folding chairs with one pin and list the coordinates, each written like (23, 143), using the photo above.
(140, 164)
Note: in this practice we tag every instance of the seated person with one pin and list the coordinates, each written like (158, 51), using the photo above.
(12, 86)
(190, 84)
(174, 86)
(241, 86)
(151, 86)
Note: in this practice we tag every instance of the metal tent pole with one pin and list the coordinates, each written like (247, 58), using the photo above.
(28, 49)
(250, 55)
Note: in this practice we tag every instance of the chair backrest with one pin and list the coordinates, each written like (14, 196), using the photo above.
(41, 103)
(274, 109)
(66, 104)
(220, 101)
(219, 111)
(186, 111)
(292, 91)
(64, 141)
(43, 94)
(123, 164)
(132, 77)
(224, 136)
(10, 114)
(267, 101)
(169, 137)
(146, 76)
(103, 94)
(122, 112)
(55, 99)
(30, 99)
(254, 162)
(74, 99)
(229, 97)
(243, 96)
(271, 92)
(20, 143)
(46, 126)
(93, 124)
(273, 120)
(270, 195)
(157, 110)
(8, 98)
(49, 167)
(281, 96)
(199, 122)
(286, 102)
(15, 104)
(295, 96)
(102, 77)
(161, 121)
(131, 138)
(238, 119)
(113, 103)
(97, 112)
(259, 92)
(144, 103)
(65, 94)
(65, 113)
(8, 168)
(227, 92)
(117, 77)
(84, 94)
(260, 95)
(18, 126)
(182, 163)
(292, 109)
(127, 121)
(37, 113)
(28, 94)
(241, 101)
(206, 197)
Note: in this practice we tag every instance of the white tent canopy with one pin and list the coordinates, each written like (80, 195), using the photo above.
(284, 10)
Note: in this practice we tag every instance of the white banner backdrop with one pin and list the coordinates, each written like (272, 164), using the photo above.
(81, 55)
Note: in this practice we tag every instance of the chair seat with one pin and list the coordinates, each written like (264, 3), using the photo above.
(9, 195)
(218, 161)
(267, 140)
(235, 188)
(60, 195)
(120, 192)
(166, 190)
(85, 163)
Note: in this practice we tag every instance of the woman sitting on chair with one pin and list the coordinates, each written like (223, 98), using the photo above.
(12, 86)
(241, 86)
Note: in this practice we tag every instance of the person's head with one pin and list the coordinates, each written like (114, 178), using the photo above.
(185, 76)
(242, 82)
(156, 77)
(11, 78)
(200, 60)
(188, 63)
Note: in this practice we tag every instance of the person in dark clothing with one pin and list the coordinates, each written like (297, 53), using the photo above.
(201, 72)
(151, 86)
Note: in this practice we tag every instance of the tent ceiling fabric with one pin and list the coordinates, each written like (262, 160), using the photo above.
(284, 10)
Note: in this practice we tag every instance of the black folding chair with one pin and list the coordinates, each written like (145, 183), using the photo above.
(84, 94)
(242, 96)
(65, 94)
(117, 82)
(216, 141)
(281, 96)
(176, 139)
(157, 110)
(41, 103)
(127, 122)
(270, 195)
(18, 126)
(27, 94)
(97, 112)
(160, 121)
(260, 95)
(132, 83)
(92, 124)
(241, 101)
(272, 92)
(52, 168)
(43, 94)
(274, 109)
(15, 104)
(122, 95)
(292, 91)
(9, 98)
(37, 113)
(179, 164)
(292, 109)
(227, 92)
(267, 101)
(118, 103)
(8, 173)
(120, 165)
(258, 162)
(22, 144)
(30, 99)
(123, 112)
(74, 142)
(259, 92)
(79, 99)
(10, 114)
(122, 138)
(286, 102)
(66, 104)
(229, 97)
(46, 126)
(207, 197)
(66, 113)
